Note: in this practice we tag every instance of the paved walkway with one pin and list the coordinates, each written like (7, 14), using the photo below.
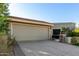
(48, 48)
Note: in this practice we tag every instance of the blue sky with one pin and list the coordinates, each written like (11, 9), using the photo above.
(47, 12)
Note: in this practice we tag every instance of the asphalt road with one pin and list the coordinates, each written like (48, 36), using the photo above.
(48, 48)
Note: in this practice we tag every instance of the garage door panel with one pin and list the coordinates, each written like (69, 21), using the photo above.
(30, 32)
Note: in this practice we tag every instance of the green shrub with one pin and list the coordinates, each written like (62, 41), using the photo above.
(73, 34)
(73, 41)
(77, 44)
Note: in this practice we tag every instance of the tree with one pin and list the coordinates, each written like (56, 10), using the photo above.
(4, 28)
(4, 21)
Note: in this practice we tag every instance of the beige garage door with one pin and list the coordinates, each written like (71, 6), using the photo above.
(25, 32)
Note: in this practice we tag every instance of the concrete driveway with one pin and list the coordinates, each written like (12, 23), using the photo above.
(48, 48)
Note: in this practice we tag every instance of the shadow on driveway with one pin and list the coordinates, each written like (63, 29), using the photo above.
(18, 51)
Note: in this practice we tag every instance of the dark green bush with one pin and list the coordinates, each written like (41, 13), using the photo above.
(77, 44)
(73, 41)
(73, 34)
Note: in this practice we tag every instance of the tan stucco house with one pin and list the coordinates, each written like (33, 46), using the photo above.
(24, 29)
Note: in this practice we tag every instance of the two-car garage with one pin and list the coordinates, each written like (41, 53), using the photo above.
(28, 30)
